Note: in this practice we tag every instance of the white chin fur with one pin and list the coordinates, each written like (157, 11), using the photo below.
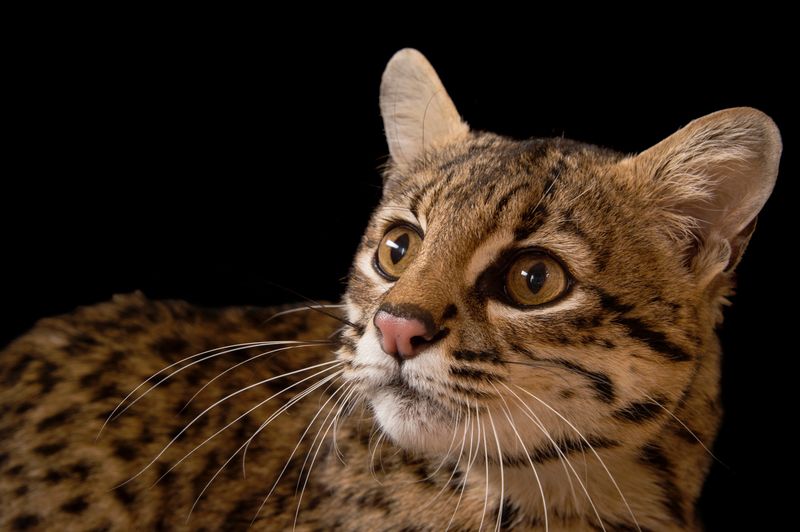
(412, 423)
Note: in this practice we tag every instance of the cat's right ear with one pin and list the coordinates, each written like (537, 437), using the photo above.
(713, 177)
(418, 115)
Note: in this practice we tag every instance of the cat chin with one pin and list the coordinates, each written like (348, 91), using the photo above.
(413, 423)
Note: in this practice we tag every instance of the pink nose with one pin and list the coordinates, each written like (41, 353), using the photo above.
(403, 338)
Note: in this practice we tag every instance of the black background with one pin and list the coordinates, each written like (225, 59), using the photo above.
(204, 160)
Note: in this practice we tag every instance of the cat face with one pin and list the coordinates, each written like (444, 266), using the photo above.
(548, 290)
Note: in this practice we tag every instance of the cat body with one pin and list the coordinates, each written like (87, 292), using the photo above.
(527, 341)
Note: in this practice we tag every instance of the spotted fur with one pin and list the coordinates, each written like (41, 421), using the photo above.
(595, 411)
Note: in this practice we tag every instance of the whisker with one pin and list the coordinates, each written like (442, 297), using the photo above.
(247, 442)
(538, 422)
(458, 461)
(486, 464)
(315, 305)
(591, 448)
(249, 387)
(502, 476)
(308, 475)
(470, 461)
(671, 413)
(344, 390)
(283, 409)
(239, 364)
(223, 350)
(304, 308)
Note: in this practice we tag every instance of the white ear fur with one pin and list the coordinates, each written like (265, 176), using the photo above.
(417, 112)
(715, 175)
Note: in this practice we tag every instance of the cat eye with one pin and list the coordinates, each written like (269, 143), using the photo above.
(397, 249)
(535, 278)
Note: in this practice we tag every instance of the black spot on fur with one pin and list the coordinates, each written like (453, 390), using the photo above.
(3, 458)
(106, 391)
(16, 371)
(124, 495)
(14, 470)
(81, 470)
(25, 522)
(49, 449)
(170, 346)
(655, 340)
(638, 412)
(20, 491)
(23, 407)
(76, 505)
(57, 419)
(53, 476)
(125, 450)
(47, 377)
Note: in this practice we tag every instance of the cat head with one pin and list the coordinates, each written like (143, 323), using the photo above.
(545, 286)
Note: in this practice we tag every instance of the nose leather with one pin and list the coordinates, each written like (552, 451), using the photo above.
(401, 337)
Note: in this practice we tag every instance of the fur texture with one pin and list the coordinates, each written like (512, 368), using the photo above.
(595, 410)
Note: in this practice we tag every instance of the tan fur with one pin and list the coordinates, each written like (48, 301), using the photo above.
(604, 401)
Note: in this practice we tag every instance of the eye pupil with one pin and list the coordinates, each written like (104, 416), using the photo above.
(399, 247)
(537, 276)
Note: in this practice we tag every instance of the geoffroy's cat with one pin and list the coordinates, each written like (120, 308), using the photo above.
(527, 341)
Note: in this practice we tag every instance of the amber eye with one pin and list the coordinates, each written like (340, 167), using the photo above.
(396, 251)
(535, 278)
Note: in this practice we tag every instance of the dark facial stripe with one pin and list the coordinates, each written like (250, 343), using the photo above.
(478, 356)
(638, 412)
(501, 204)
(655, 340)
(533, 218)
(602, 383)
(672, 499)
(472, 374)
(550, 453)
(612, 303)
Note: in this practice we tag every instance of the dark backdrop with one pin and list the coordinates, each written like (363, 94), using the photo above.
(204, 162)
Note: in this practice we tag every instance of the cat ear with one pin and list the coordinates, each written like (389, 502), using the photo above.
(714, 176)
(417, 112)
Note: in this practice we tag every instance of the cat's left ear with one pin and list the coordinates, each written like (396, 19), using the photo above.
(418, 115)
(714, 176)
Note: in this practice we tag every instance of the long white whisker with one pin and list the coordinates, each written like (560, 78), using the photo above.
(239, 364)
(301, 309)
(502, 475)
(217, 403)
(668, 411)
(308, 475)
(222, 350)
(458, 460)
(486, 464)
(470, 461)
(247, 442)
(535, 419)
(343, 389)
(591, 448)
(331, 379)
